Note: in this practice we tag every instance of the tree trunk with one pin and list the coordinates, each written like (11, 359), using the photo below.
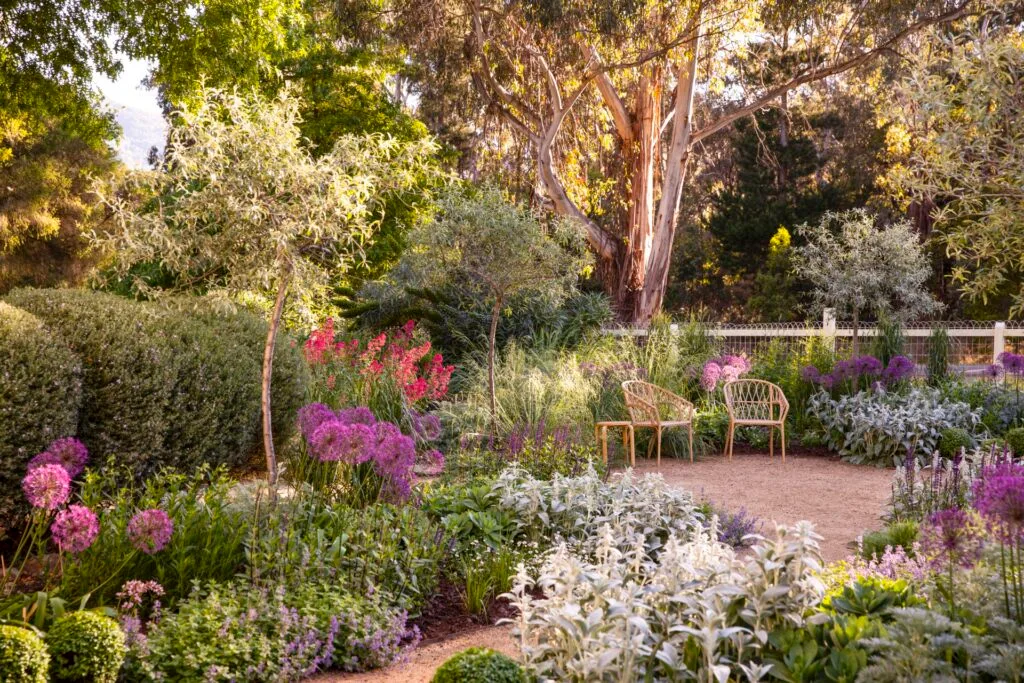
(268, 371)
(492, 342)
(642, 156)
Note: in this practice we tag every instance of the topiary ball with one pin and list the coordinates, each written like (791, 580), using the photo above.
(85, 646)
(953, 440)
(1015, 440)
(479, 665)
(23, 656)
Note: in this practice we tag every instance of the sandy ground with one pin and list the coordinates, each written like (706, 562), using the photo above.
(842, 500)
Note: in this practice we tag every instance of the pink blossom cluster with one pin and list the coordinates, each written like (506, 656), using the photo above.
(149, 531)
(420, 374)
(725, 369)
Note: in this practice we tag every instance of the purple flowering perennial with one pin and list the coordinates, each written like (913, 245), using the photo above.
(150, 530)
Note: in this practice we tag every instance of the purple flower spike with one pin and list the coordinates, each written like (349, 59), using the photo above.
(47, 487)
(75, 528)
(150, 530)
(950, 537)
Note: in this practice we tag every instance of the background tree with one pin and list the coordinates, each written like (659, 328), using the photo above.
(613, 101)
(480, 236)
(856, 267)
(243, 206)
(956, 134)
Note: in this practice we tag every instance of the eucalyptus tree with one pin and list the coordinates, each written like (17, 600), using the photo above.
(242, 206)
(856, 267)
(615, 99)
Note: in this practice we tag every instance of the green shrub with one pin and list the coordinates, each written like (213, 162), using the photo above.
(165, 386)
(23, 656)
(1015, 440)
(938, 356)
(40, 394)
(85, 646)
(479, 665)
(953, 440)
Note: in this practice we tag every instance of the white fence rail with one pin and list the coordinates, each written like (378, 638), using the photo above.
(973, 344)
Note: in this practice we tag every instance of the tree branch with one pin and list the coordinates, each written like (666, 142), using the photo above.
(817, 74)
(622, 119)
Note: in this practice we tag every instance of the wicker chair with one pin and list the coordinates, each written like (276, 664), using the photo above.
(651, 406)
(756, 403)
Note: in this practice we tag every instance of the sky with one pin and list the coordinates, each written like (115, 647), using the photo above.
(137, 110)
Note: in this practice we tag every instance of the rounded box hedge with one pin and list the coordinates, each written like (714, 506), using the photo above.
(479, 665)
(40, 393)
(23, 656)
(168, 386)
(85, 646)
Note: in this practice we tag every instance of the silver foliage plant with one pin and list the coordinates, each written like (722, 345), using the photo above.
(878, 428)
(620, 602)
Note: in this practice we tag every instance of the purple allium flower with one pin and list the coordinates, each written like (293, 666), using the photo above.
(358, 415)
(809, 373)
(150, 530)
(1013, 363)
(868, 365)
(900, 367)
(69, 452)
(993, 371)
(709, 377)
(842, 370)
(394, 458)
(426, 425)
(311, 416)
(827, 381)
(950, 537)
(730, 373)
(436, 458)
(75, 528)
(335, 441)
(47, 486)
(999, 497)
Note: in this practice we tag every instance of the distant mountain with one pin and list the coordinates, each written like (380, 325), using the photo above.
(142, 129)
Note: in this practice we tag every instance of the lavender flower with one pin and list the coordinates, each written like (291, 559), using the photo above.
(75, 528)
(47, 487)
(150, 530)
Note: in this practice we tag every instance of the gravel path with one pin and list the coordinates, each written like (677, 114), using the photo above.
(842, 500)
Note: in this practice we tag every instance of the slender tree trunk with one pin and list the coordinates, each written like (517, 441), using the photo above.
(856, 341)
(492, 342)
(268, 371)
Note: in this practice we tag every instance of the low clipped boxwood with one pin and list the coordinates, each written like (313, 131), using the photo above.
(479, 665)
(40, 395)
(1015, 440)
(85, 646)
(953, 440)
(170, 386)
(23, 656)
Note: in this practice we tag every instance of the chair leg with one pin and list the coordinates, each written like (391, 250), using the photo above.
(771, 442)
(659, 448)
(632, 446)
(604, 444)
(650, 448)
(732, 437)
(782, 430)
(689, 428)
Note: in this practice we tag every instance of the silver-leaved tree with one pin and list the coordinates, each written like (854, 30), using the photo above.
(241, 206)
(856, 267)
(478, 236)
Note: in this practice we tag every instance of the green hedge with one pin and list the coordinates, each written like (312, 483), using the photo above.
(40, 391)
(169, 386)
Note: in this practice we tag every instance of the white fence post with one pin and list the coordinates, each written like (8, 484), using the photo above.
(998, 340)
(828, 326)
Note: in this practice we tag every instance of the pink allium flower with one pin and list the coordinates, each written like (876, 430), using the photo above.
(150, 530)
(730, 373)
(357, 415)
(741, 363)
(47, 486)
(70, 453)
(709, 378)
(951, 537)
(311, 416)
(75, 528)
